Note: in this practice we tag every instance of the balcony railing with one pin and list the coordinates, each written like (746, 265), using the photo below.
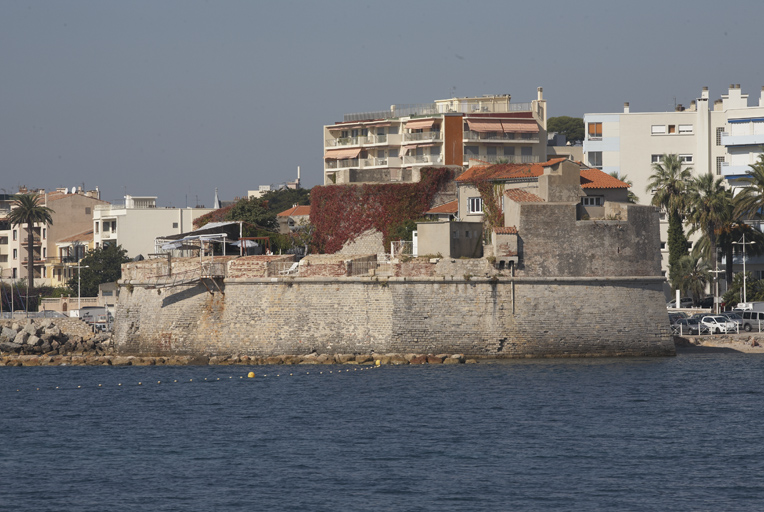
(66, 260)
(422, 159)
(432, 135)
(509, 159)
(37, 262)
(500, 137)
(373, 162)
(37, 240)
(341, 164)
(356, 141)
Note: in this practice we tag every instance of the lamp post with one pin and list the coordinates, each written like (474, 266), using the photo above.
(743, 243)
(79, 280)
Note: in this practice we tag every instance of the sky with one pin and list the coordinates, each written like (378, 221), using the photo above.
(175, 98)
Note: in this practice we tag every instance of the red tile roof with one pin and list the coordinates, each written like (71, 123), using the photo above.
(450, 207)
(594, 178)
(510, 230)
(507, 171)
(519, 195)
(295, 211)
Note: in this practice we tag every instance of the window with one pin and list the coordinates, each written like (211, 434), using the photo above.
(663, 246)
(595, 159)
(672, 128)
(475, 205)
(96, 226)
(592, 201)
(466, 234)
(658, 129)
(175, 225)
(44, 271)
(719, 132)
(15, 254)
(656, 159)
(490, 151)
(685, 159)
(44, 252)
(87, 210)
(392, 130)
(44, 233)
(14, 235)
(509, 151)
(526, 151)
(14, 273)
(435, 150)
(719, 164)
(455, 234)
(471, 150)
(595, 130)
(685, 128)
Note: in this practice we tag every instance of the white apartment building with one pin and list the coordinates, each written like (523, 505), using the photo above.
(722, 139)
(135, 223)
(393, 145)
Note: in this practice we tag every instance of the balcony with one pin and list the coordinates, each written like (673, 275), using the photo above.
(361, 163)
(37, 262)
(109, 235)
(508, 159)
(60, 262)
(501, 137)
(36, 241)
(746, 133)
(739, 166)
(365, 140)
(422, 137)
(422, 159)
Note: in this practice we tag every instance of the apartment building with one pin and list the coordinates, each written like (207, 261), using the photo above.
(72, 214)
(137, 222)
(393, 145)
(722, 139)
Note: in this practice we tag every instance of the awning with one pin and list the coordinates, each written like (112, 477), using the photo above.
(338, 127)
(342, 154)
(485, 125)
(421, 124)
(520, 126)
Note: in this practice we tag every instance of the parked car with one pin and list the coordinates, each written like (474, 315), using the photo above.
(718, 324)
(674, 317)
(684, 302)
(752, 320)
(735, 317)
(706, 302)
(689, 326)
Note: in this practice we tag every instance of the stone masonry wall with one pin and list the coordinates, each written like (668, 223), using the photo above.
(499, 317)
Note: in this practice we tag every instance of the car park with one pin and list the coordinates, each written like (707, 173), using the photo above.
(718, 324)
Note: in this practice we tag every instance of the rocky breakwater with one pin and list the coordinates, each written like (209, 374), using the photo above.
(38, 343)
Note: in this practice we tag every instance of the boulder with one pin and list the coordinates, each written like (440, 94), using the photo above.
(54, 331)
(398, 359)
(21, 337)
(34, 341)
(364, 358)
(344, 358)
(8, 333)
(31, 328)
(420, 359)
(434, 359)
(10, 347)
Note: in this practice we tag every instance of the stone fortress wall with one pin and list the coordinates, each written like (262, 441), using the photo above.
(427, 306)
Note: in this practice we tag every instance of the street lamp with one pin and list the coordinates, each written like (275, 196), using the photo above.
(79, 279)
(743, 243)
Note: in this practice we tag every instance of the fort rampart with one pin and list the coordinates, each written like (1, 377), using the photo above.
(452, 306)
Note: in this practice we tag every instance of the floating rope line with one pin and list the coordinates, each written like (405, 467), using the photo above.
(250, 375)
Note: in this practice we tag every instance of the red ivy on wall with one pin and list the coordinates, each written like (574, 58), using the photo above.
(340, 213)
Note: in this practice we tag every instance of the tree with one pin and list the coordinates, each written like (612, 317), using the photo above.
(254, 212)
(690, 275)
(750, 201)
(26, 209)
(104, 266)
(669, 182)
(632, 197)
(280, 200)
(571, 127)
(709, 208)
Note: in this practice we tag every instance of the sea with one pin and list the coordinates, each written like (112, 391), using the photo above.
(653, 434)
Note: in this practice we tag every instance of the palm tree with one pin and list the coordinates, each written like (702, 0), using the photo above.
(709, 208)
(690, 276)
(750, 200)
(668, 184)
(632, 197)
(26, 209)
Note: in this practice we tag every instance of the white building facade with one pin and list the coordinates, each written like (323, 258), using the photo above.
(722, 139)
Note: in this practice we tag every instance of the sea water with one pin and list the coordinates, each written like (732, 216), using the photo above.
(678, 433)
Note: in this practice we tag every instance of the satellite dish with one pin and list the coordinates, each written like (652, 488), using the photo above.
(72, 192)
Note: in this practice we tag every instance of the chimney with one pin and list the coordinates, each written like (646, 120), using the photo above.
(704, 94)
(540, 91)
(625, 107)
